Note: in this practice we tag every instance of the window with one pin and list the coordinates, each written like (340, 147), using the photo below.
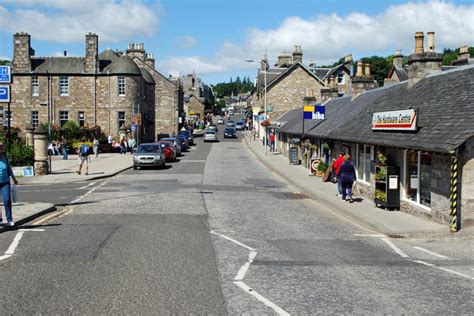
(81, 119)
(63, 85)
(120, 120)
(63, 117)
(417, 180)
(340, 78)
(34, 86)
(121, 85)
(34, 119)
(363, 162)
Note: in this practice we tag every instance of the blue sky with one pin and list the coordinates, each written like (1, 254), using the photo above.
(214, 38)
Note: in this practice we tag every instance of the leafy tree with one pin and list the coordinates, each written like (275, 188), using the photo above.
(380, 66)
(4, 62)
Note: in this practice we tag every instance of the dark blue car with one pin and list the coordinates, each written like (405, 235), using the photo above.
(189, 136)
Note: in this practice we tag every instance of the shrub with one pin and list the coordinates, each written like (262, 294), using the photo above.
(21, 155)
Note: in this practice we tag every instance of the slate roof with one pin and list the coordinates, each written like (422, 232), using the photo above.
(321, 72)
(444, 104)
(109, 62)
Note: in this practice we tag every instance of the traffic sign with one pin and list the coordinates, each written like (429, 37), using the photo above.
(5, 94)
(137, 118)
(134, 128)
(5, 74)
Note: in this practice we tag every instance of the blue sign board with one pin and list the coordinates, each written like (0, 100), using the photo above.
(314, 112)
(5, 74)
(4, 94)
(28, 171)
(134, 128)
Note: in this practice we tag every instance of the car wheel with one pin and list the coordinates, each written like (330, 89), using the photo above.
(134, 167)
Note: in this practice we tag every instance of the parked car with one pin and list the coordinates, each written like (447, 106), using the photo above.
(220, 120)
(210, 136)
(169, 150)
(175, 143)
(189, 136)
(212, 126)
(183, 142)
(230, 124)
(240, 126)
(230, 132)
(149, 155)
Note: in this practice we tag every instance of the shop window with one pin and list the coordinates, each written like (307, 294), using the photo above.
(121, 85)
(63, 117)
(81, 118)
(418, 177)
(363, 162)
(34, 86)
(120, 120)
(34, 119)
(63, 85)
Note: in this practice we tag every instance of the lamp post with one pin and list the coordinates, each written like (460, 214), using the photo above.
(264, 101)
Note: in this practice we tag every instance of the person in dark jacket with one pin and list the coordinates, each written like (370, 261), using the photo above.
(347, 176)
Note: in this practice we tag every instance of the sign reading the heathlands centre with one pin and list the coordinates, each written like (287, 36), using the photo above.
(404, 120)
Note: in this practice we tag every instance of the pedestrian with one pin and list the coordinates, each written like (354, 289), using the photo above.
(347, 173)
(95, 147)
(83, 152)
(336, 166)
(123, 146)
(64, 147)
(131, 144)
(110, 139)
(272, 141)
(6, 173)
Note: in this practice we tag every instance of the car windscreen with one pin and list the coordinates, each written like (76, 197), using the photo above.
(229, 130)
(149, 149)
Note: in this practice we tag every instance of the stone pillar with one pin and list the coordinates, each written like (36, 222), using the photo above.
(29, 136)
(41, 151)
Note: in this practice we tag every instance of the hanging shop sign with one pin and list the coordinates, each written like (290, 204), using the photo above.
(404, 120)
(314, 112)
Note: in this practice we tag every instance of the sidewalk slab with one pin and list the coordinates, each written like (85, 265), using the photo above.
(362, 211)
(26, 212)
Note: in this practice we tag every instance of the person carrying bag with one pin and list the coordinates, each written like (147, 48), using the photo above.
(6, 173)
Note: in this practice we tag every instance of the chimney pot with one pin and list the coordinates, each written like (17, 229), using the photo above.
(367, 71)
(419, 43)
(65, 53)
(431, 43)
(359, 73)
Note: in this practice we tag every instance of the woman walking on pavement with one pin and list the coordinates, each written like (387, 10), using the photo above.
(347, 176)
(95, 147)
(5, 174)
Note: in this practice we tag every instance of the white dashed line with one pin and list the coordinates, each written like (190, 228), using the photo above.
(232, 240)
(444, 269)
(260, 298)
(243, 270)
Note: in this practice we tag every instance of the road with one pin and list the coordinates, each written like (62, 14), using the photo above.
(217, 233)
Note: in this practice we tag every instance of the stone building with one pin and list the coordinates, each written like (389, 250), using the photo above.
(99, 89)
(421, 126)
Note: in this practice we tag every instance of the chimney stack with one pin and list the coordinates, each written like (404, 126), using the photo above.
(92, 53)
(297, 54)
(398, 59)
(421, 63)
(150, 60)
(284, 60)
(464, 52)
(136, 50)
(360, 73)
(419, 37)
(22, 52)
(332, 82)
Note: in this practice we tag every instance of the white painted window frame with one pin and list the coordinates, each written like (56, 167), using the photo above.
(34, 86)
(34, 118)
(121, 86)
(405, 181)
(63, 85)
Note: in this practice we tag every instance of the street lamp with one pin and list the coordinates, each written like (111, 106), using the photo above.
(264, 99)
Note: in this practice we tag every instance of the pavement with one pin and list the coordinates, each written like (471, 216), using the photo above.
(64, 171)
(362, 211)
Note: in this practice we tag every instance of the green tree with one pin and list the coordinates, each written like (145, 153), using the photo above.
(380, 66)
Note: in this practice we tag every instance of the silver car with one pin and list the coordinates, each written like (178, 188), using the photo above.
(149, 155)
(210, 136)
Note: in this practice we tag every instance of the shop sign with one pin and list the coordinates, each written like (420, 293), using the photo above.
(404, 120)
(314, 112)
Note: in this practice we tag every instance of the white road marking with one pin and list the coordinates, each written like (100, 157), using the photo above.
(14, 243)
(395, 248)
(371, 235)
(431, 253)
(86, 186)
(190, 160)
(31, 230)
(260, 298)
(243, 270)
(444, 269)
(88, 192)
(233, 240)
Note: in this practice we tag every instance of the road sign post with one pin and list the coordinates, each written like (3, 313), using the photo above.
(6, 78)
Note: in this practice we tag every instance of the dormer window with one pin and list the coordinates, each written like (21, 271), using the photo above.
(340, 78)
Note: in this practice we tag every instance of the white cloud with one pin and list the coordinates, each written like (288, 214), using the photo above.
(69, 21)
(326, 38)
(189, 64)
(185, 42)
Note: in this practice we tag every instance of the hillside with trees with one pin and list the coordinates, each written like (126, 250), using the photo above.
(227, 89)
